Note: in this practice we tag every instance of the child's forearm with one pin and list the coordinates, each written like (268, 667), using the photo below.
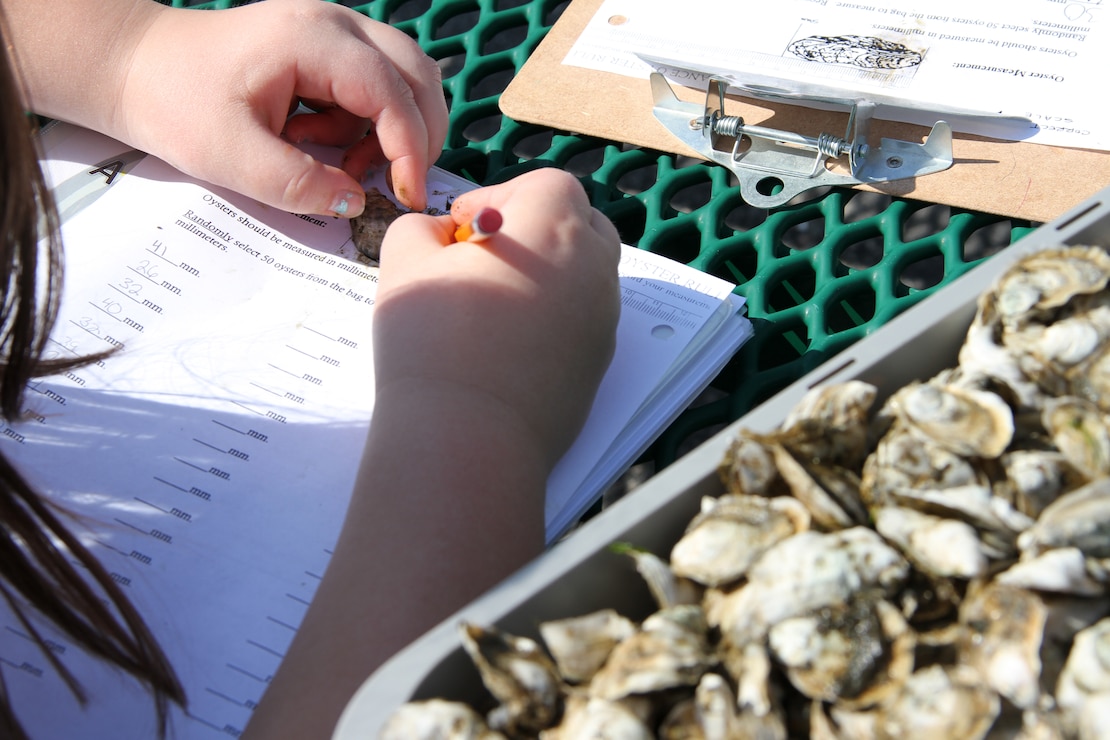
(449, 501)
(74, 70)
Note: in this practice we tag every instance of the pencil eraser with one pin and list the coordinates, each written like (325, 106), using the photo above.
(488, 221)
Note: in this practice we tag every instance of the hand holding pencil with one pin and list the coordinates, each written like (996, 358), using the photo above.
(534, 306)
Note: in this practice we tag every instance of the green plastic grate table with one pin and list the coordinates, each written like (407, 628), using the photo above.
(818, 274)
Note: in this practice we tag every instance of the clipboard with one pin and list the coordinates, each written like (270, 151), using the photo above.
(1013, 179)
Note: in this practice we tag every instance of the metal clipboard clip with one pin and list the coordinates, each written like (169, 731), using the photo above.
(773, 165)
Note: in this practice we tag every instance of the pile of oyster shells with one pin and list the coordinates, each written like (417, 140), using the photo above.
(936, 566)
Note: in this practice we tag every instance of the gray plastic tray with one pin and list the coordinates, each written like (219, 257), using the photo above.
(581, 574)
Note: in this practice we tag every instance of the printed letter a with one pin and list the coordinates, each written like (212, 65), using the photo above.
(109, 170)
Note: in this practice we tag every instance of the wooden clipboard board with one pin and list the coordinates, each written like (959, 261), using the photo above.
(1013, 179)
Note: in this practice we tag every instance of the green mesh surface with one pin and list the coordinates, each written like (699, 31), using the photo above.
(818, 274)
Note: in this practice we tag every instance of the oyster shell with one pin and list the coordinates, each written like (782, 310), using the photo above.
(1066, 343)
(830, 493)
(1041, 327)
(1047, 280)
(731, 532)
(1063, 570)
(368, 228)
(437, 719)
(581, 645)
(985, 360)
(938, 545)
(1079, 518)
(667, 588)
(1034, 478)
(855, 652)
(939, 701)
(903, 461)
(520, 676)
(996, 520)
(1004, 627)
(829, 425)
(590, 717)
(803, 573)
(965, 421)
(670, 649)
(832, 722)
(1083, 691)
(1079, 431)
(713, 714)
(1091, 380)
(753, 680)
(828, 428)
(749, 467)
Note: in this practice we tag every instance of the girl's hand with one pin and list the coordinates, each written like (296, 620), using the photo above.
(211, 92)
(526, 318)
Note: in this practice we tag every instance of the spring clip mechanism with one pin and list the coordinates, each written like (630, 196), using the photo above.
(773, 165)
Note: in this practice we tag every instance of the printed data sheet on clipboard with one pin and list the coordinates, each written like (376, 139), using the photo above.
(1017, 70)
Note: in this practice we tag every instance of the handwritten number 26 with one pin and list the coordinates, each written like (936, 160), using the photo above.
(146, 267)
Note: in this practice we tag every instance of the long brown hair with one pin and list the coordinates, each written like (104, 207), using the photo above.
(37, 550)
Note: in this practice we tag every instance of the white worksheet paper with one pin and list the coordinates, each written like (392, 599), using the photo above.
(211, 459)
(1041, 62)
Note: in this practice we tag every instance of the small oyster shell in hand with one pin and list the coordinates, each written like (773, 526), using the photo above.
(368, 228)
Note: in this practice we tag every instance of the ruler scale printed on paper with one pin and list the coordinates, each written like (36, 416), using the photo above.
(652, 306)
